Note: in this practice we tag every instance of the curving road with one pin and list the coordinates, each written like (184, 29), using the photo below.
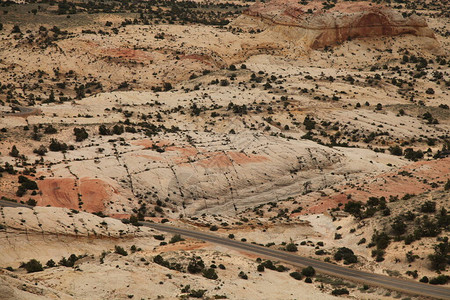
(13, 204)
(23, 111)
(392, 283)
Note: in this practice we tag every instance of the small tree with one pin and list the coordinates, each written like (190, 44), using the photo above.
(447, 185)
(210, 274)
(309, 123)
(291, 247)
(51, 98)
(176, 238)
(50, 129)
(196, 265)
(120, 250)
(441, 279)
(167, 86)
(197, 293)
(346, 254)
(118, 129)
(33, 266)
(440, 258)
(296, 275)
(102, 130)
(80, 134)
(50, 263)
(243, 275)
(381, 240)
(353, 208)
(14, 152)
(399, 226)
(308, 271)
(31, 202)
(428, 207)
(396, 150)
(338, 292)
(42, 150)
(16, 29)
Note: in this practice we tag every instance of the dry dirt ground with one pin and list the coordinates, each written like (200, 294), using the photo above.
(99, 273)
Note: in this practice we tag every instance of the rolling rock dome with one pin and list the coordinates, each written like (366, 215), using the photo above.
(316, 25)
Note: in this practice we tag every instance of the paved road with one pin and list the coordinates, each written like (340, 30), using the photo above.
(23, 111)
(12, 204)
(392, 283)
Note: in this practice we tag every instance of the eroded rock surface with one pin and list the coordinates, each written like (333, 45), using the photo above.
(319, 26)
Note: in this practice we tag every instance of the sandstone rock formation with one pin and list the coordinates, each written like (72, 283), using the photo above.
(318, 26)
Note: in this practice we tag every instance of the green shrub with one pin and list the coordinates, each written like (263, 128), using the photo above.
(346, 254)
(320, 252)
(33, 266)
(296, 275)
(70, 262)
(50, 129)
(196, 265)
(396, 150)
(308, 271)
(447, 185)
(56, 146)
(281, 268)
(120, 250)
(291, 247)
(80, 134)
(197, 293)
(243, 275)
(14, 152)
(440, 258)
(176, 238)
(27, 184)
(159, 237)
(50, 263)
(381, 240)
(428, 207)
(269, 265)
(441, 279)
(210, 274)
(31, 202)
(158, 259)
(338, 292)
(354, 208)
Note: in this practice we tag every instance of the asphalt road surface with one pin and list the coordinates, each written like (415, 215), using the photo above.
(23, 111)
(12, 204)
(392, 283)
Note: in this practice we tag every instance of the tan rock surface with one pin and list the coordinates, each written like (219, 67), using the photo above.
(318, 26)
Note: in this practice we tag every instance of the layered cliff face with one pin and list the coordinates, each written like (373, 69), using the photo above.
(318, 26)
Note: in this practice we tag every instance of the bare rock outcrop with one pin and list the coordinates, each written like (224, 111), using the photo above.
(318, 26)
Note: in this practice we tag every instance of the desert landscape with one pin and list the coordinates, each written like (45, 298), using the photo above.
(312, 128)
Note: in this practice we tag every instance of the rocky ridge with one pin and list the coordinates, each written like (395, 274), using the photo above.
(318, 26)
